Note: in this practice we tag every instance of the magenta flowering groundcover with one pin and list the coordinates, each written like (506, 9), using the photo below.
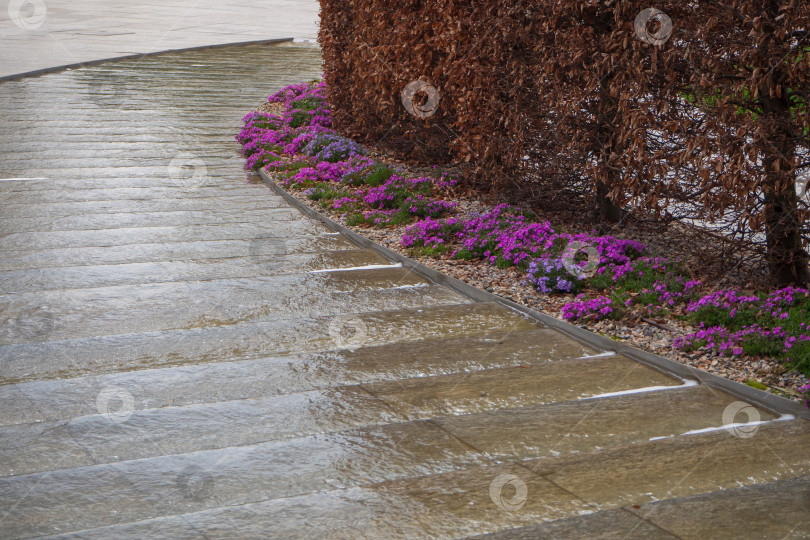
(299, 147)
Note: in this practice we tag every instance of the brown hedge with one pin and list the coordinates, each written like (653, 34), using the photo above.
(710, 123)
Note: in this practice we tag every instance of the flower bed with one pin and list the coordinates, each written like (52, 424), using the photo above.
(305, 155)
(605, 277)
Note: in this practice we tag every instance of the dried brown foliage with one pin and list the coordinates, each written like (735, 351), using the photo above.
(710, 124)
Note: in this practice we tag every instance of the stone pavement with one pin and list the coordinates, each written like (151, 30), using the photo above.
(40, 34)
(184, 355)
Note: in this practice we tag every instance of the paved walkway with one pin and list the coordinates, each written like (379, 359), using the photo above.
(183, 355)
(39, 34)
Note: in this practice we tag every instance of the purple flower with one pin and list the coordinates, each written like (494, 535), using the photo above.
(594, 309)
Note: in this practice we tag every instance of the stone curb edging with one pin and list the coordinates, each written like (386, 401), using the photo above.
(77, 65)
(771, 402)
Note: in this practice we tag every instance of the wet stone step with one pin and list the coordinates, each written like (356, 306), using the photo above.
(413, 362)
(772, 510)
(59, 180)
(295, 255)
(119, 434)
(273, 262)
(607, 524)
(118, 92)
(519, 386)
(86, 208)
(562, 428)
(119, 97)
(682, 466)
(182, 96)
(221, 129)
(22, 146)
(152, 235)
(483, 499)
(187, 155)
(100, 495)
(124, 90)
(191, 137)
(131, 115)
(194, 131)
(183, 188)
(222, 136)
(160, 132)
(183, 174)
(30, 136)
(408, 508)
(21, 141)
(119, 100)
(73, 132)
(103, 436)
(477, 499)
(101, 162)
(280, 62)
(132, 153)
(232, 341)
(123, 121)
(164, 154)
(214, 169)
(108, 90)
(185, 218)
(80, 313)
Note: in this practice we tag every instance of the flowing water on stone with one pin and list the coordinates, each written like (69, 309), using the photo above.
(171, 366)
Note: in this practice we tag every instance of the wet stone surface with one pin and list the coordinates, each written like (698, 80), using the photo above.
(184, 355)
